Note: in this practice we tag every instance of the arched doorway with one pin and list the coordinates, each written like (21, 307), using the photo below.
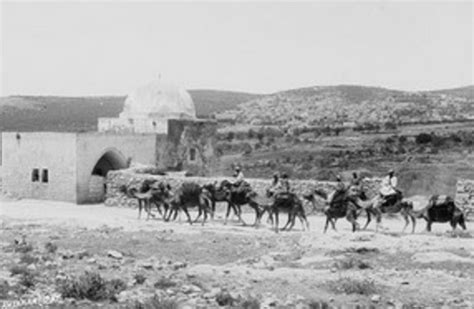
(112, 159)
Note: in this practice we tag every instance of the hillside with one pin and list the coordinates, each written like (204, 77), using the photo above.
(464, 92)
(350, 105)
(51, 113)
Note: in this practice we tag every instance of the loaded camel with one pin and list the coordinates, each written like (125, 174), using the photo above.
(147, 194)
(340, 206)
(285, 202)
(392, 205)
(440, 209)
(238, 197)
(189, 195)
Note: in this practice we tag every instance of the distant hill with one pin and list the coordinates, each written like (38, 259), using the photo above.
(463, 92)
(351, 104)
(51, 113)
(310, 106)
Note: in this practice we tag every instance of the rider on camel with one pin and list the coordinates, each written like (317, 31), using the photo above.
(388, 187)
(340, 187)
(239, 176)
(285, 183)
(276, 184)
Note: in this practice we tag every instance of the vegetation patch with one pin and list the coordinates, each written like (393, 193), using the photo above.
(360, 250)
(164, 283)
(351, 263)
(91, 286)
(347, 285)
(225, 299)
(139, 278)
(249, 303)
(157, 302)
(318, 304)
(28, 259)
(50, 247)
(23, 248)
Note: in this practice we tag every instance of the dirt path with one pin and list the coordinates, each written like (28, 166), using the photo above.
(286, 269)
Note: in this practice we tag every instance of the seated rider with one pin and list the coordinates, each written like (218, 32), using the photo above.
(276, 184)
(340, 188)
(239, 177)
(285, 183)
(355, 183)
(388, 187)
(282, 189)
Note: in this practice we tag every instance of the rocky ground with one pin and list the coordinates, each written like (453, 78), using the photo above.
(58, 253)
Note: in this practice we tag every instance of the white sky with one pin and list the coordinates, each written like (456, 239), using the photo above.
(99, 48)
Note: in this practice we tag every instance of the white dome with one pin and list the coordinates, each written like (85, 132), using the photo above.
(159, 99)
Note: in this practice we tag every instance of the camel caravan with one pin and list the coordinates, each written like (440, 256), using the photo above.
(346, 201)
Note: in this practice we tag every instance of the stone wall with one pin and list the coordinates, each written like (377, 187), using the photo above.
(115, 179)
(465, 193)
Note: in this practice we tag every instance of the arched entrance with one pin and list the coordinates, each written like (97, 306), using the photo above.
(112, 159)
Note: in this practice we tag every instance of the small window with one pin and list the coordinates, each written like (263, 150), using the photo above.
(192, 154)
(45, 175)
(35, 174)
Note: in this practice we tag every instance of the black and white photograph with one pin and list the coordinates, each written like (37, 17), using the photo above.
(237, 154)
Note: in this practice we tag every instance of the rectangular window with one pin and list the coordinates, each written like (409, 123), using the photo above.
(192, 154)
(35, 174)
(45, 175)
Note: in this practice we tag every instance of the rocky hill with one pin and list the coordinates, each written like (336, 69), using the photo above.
(352, 105)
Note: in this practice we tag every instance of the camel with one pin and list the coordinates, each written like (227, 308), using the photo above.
(403, 207)
(441, 208)
(237, 197)
(147, 194)
(217, 194)
(342, 205)
(188, 195)
(289, 203)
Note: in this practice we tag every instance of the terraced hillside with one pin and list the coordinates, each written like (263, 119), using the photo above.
(349, 105)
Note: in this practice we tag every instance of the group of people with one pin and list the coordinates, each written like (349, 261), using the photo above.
(281, 184)
(388, 187)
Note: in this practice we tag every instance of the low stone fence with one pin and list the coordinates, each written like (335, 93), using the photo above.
(465, 195)
(115, 179)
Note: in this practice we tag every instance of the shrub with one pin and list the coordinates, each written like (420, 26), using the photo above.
(317, 304)
(4, 289)
(139, 278)
(230, 136)
(157, 302)
(353, 286)
(23, 248)
(91, 286)
(28, 280)
(18, 270)
(249, 303)
(164, 283)
(423, 138)
(350, 263)
(50, 247)
(28, 259)
(224, 299)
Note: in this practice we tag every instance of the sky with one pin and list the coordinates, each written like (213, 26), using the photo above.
(106, 48)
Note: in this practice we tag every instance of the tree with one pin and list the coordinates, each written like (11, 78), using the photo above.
(230, 136)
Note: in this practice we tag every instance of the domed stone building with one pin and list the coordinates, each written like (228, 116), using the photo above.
(148, 109)
(158, 127)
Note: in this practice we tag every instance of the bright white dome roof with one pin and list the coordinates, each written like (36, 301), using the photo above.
(159, 99)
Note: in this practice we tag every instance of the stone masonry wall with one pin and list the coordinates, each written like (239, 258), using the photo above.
(465, 194)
